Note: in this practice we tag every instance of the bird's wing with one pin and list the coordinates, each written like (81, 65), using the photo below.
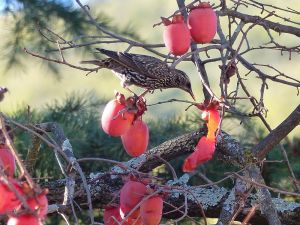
(143, 64)
(147, 65)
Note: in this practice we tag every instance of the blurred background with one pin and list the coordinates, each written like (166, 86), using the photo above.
(32, 82)
(58, 93)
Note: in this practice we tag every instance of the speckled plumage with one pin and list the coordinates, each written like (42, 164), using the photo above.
(143, 71)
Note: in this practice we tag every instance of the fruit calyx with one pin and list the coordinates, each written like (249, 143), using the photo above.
(201, 5)
(177, 18)
(133, 104)
(166, 21)
(208, 105)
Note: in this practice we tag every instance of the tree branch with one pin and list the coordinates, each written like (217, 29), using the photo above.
(276, 135)
(280, 28)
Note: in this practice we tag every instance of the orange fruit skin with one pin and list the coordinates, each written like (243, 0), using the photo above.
(8, 199)
(177, 37)
(131, 194)
(7, 160)
(135, 140)
(202, 23)
(39, 204)
(24, 220)
(213, 124)
(151, 211)
(109, 213)
(115, 120)
(203, 152)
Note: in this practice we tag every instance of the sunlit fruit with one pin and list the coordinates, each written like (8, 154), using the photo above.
(131, 194)
(24, 220)
(213, 123)
(135, 140)
(112, 216)
(8, 199)
(151, 210)
(116, 120)
(202, 22)
(177, 37)
(7, 160)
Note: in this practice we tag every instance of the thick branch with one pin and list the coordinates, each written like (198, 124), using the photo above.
(276, 135)
(267, 207)
(105, 187)
(228, 149)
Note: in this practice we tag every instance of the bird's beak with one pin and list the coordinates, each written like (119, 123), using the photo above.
(192, 94)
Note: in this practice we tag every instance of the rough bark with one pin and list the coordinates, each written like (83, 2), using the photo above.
(104, 186)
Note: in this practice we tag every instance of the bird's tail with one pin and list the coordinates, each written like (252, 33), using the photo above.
(104, 63)
(111, 54)
(100, 63)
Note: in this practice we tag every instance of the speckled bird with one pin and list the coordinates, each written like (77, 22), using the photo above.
(143, 71)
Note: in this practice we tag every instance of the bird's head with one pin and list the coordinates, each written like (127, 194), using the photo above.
(183, 82)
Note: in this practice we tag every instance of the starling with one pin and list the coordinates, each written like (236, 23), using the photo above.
(143, 71)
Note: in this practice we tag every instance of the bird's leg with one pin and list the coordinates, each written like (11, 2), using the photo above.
(145, 92)
(125, 85)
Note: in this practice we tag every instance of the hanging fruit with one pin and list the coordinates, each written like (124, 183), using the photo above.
(116, 119)
(205, 148)
(135, 140)
(202, 23)
(39, 204)
(151, 210)
(202, 153)
(131, 194)
(176, 35)
(7, 160)
(24, 220)
(8, 199)
(112, 216)
(212, 124)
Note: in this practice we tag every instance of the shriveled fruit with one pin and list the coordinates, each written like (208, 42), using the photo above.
(202, 22)
(7, 160)
(39, 204)
(135, 140)
(24, 220)
(8, 199)
(116, 120)
(176, 35)
(203, 152)
(151, 211)
(131, 194)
